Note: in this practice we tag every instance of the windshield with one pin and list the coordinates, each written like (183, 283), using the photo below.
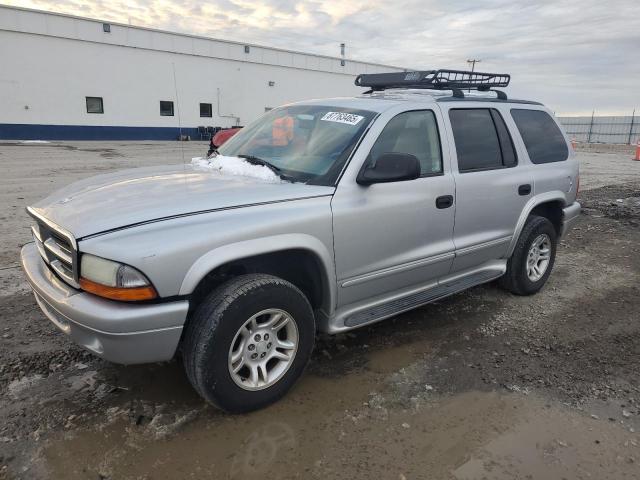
(307, 143)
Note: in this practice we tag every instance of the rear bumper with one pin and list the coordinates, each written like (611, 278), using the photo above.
(570, 216)
(116, 331)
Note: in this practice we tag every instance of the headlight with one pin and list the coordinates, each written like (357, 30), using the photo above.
(114, 280)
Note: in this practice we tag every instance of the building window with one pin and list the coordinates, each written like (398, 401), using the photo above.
(94, 105)
(166, 108)
(106, 27)
(206, 110)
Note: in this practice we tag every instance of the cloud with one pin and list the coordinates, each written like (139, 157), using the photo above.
(573, 55)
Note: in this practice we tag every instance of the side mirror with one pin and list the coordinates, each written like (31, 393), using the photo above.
(390, 167)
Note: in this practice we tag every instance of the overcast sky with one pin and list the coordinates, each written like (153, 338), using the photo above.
(573, 55)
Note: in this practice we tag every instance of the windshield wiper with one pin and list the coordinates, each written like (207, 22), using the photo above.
(253, 160)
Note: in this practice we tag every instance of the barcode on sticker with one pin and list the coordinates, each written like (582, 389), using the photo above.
(340, 117)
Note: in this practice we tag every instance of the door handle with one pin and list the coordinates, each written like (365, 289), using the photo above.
(444, 201)
(524, 190)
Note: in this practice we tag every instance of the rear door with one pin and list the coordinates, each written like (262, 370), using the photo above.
(492, 185)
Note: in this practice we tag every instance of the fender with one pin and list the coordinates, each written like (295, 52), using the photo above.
(249, 248)
(552, 196)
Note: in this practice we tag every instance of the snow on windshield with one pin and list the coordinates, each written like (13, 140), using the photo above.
(236, 166)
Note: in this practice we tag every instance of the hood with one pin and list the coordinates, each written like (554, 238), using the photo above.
(127, 197)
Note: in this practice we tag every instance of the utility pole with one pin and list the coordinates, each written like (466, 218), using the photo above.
(593, 112)
(473, 62)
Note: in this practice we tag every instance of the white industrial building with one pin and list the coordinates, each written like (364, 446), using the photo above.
(65, 77)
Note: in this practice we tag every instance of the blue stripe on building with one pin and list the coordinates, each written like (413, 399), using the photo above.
(23, 131)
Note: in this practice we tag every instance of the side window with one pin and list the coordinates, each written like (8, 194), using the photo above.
(413, 132)
(482, 139)
(541, 136)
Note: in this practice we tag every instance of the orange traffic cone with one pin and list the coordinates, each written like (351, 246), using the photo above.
(637, 152)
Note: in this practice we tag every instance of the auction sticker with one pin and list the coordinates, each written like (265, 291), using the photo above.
(341, 117)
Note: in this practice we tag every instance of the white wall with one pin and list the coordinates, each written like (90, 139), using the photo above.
(50, 63)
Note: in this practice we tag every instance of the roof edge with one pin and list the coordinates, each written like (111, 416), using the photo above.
(188, 35)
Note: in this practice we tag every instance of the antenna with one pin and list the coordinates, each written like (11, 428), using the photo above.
(175, 86)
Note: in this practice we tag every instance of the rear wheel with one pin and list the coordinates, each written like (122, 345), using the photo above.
(248, 342)
(533, 257)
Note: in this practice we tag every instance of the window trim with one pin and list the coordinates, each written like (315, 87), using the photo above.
(173, 110)
(86, 99)
(435, 118)
(500, 138)
(210, 110)
(493, 122)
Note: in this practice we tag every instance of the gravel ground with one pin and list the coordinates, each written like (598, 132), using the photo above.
(481, 385)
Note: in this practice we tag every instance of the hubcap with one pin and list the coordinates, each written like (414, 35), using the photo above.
(263, 349)
(538, 257)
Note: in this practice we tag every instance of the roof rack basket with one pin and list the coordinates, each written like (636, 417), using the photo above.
(454, 80)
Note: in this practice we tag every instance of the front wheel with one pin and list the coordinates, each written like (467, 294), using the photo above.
(248, 342)
(533, 257)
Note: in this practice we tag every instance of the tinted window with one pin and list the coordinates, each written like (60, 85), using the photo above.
(94, 105)
(166, 108)
(205, 110)
(509, 156)
(476, 139)
(415, 133)
(541, 135)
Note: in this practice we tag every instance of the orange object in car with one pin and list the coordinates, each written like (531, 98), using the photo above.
(224, 135)
(282, 131)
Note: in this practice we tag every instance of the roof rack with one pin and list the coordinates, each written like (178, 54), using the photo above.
(454, 80)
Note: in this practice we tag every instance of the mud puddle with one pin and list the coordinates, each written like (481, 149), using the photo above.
(467, 436)
(377, 420)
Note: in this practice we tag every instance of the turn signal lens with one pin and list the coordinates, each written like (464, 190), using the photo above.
(131, 294)
(114, 280)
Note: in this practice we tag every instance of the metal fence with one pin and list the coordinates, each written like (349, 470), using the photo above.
(603, 129)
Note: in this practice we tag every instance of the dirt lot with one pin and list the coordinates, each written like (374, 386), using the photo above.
(481, 385)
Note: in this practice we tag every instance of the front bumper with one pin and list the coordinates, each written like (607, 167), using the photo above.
(570, 217)
(116, 331)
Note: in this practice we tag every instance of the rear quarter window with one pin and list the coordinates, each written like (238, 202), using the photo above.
(542, 137)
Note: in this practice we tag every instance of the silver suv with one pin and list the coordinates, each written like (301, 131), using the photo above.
(321, 215)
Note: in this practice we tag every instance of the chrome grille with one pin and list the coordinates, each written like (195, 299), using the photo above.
(57, 248)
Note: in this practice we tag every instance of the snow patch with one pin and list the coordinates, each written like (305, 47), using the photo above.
(33, 141)
(236, 166)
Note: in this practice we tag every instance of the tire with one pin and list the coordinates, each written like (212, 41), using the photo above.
(218, 324)
(517, 278)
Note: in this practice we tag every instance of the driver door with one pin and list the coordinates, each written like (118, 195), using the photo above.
(390, 237)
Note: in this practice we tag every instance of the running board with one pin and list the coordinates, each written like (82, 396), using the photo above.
(409, 302)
